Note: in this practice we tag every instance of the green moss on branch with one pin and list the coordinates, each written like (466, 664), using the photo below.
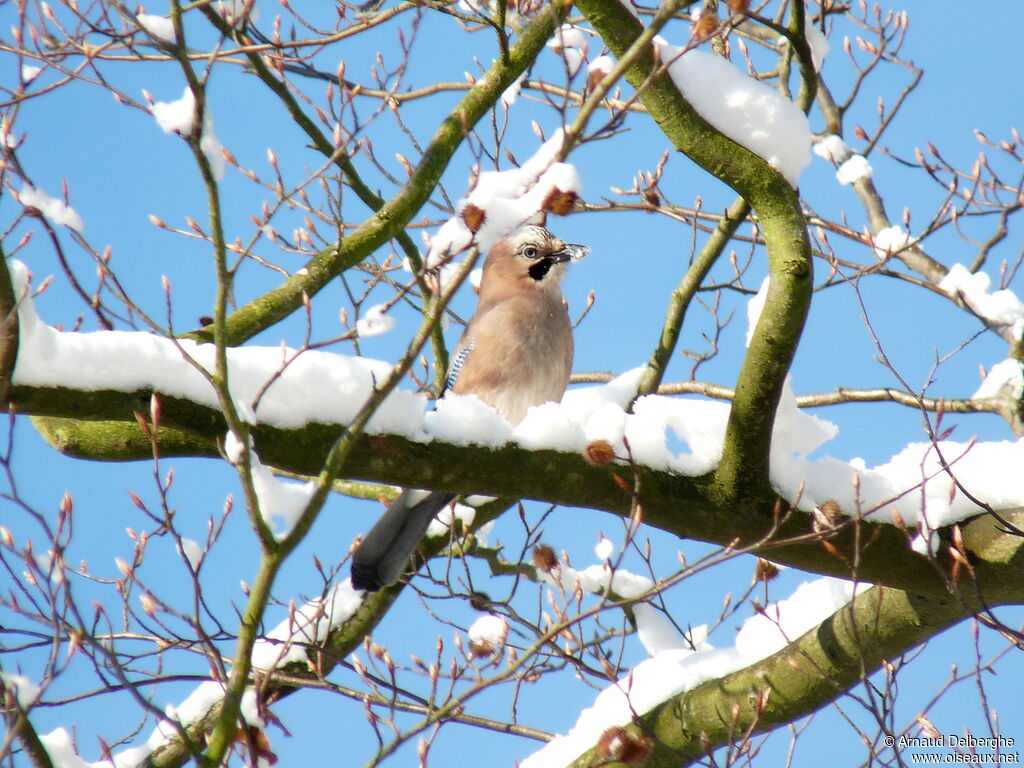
(806, 675)
(742, 476)
(689, 507)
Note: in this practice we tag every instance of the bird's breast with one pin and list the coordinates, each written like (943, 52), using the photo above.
(518, 357)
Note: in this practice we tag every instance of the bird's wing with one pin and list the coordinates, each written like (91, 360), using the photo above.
(453, 370)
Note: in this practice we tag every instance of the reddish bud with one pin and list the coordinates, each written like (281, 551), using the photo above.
(618, 745)
(622, 483)
(600, 453)
(474, 217)
(559, 202)
(765, 570)
(405, 163)
(544, 558)
(705, 26)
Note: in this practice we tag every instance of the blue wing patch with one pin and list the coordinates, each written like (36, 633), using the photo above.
(456, 366)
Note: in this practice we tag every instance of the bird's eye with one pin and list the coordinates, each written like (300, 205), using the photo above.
(530, 252)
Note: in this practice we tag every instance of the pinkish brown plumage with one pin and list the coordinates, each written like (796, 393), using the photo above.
(516, 352)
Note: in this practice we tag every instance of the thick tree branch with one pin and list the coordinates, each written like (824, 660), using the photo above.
(9, 333)
(807, 674)
(689, 507)
(742, 475)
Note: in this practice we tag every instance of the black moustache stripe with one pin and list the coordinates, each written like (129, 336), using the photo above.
(540, 268)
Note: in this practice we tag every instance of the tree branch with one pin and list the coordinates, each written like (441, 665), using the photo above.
(337, 154)
(390, 220)
(874, 552)
(22, 729)
(807, 674)
(681, 297)
(742, 475)
(997, 404)
(9, 330)
(321, 660)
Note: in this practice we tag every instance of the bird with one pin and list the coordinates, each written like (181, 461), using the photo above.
(516, 352)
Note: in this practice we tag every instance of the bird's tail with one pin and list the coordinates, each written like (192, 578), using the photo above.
(385, 550)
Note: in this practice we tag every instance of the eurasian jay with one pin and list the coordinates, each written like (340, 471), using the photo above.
(516, 352)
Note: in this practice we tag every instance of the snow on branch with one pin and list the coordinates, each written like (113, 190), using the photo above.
(501, 201)
(749, 112)
(179, 117)
(159, 27)
(53, 209)
(676, 670)
(313, 387)
(1000, 307)
(918, 487)
(1005, 376)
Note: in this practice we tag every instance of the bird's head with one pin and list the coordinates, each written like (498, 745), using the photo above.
(531, 258)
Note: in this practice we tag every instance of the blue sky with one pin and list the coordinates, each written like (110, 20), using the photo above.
(121, 169)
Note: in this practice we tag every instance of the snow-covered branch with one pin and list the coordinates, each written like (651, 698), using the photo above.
(755, 140)
(463, 446)
(787, 662)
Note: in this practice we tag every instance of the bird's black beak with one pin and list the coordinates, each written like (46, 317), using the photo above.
(570, 252)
